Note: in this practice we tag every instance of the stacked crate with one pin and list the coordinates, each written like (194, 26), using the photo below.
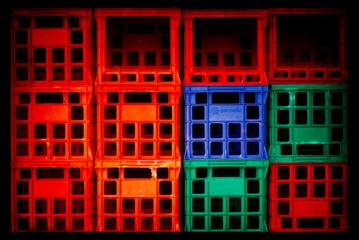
(225, 90)
(51, 132)
(138, 120)
(308, 120)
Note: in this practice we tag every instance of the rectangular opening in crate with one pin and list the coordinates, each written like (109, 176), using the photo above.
(225, 42)
(310, 40)
(138, 41)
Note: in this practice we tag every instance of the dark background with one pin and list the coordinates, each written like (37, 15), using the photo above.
(352, 51)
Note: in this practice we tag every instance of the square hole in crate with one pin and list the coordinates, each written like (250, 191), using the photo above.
(128, 130)
(110, 188)
(128, 149)
(128, 205)
(165, 205)
(110, 130)
(198, 205)
(198, 187)
(198, 222)
(22, 206)
(282, 99)
(78, 206)
(110, 205)
(216, 130)
(58, 55)
(22, 188)
(216, 204)
(198, 148)
(253, 204)
(147, 149)
(252, 186)
(77, 149)
(165, 188)
(110, 148)
(234, 204)
(234, 130)
(283, 207)
(301, 190)
(234, 148)
(283, 190)
(216, 222)
(59, 224)
(147, 206)
(165, 130)
(282, 117)
(147, 130)
(77, 113)
(110, 223)
(78, 188)
(216, 148)
(22, 131)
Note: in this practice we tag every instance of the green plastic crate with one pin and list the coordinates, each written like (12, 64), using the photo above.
(308, 123)
(225, 196)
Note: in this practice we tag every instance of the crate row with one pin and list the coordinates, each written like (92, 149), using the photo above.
(221, 47)
(306, 123)
(219, 196)
(128, 198)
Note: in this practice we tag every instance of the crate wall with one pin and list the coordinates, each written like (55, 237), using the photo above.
(299, 54)
(52, 198)
(308, 197)
(138, 197)
(225, 122)
(136, 45)
(51, 47)
(223, 196)
(308, 123)
(224, 47)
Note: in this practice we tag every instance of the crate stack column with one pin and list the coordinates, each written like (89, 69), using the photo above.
(52, 126)
(138, 120)
(225, 90)
(308, 120)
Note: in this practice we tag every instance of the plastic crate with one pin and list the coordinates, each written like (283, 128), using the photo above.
(308, 123)
(225, 47)
(225, 122)
(307, 46)
(138, 123)
(51, 47)
(52, 125)
(223, 196)
(308, 197)
(137, 40)
(141, 198)
(52, 199)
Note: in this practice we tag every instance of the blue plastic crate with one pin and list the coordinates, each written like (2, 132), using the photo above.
(225, 122)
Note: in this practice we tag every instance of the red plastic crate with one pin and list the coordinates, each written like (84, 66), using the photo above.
(138, 197)
(133, 41)
(138, 123)
(47, 198)
(225, 47)
(307, 46)
(308, 197)
(52, 125)
(51, 47)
